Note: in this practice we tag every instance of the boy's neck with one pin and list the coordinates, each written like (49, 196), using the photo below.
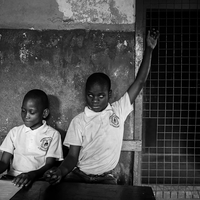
(96, 111)
(38, 126)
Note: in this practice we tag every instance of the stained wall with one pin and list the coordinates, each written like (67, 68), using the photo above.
(67, 14)
(55, 46)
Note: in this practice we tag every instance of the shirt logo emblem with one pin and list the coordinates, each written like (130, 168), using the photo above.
(45, 142)
(114, 120)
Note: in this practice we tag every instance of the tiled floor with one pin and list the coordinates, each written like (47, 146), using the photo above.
(176, 192)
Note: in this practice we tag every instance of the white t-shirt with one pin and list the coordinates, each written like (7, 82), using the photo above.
(30, 148)
(100, 135)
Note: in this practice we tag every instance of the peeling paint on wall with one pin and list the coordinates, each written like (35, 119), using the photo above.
(65, 8)
(98, 11)
(68, 14)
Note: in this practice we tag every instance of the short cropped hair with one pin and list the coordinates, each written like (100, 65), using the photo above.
(99, 78)
(40, 95)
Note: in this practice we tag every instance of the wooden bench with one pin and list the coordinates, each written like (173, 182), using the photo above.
(41, 190)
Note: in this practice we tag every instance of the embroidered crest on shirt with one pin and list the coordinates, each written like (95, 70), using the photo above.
(114, 120)
(45, 142)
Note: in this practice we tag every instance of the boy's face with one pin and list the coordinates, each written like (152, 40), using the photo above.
(32, 113)
(97, 97)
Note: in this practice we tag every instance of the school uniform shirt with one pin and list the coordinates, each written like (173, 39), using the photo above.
(30, 148)
(100, 135)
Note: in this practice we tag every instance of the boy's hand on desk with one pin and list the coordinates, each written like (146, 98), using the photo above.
(152, 38)
(53, 176)
(24, 179)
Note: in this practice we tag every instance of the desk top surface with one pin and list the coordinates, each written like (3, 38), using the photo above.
(41, 190)
(7, 189)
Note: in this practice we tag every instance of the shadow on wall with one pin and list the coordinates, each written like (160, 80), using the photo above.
(53, 118)
(55, 114)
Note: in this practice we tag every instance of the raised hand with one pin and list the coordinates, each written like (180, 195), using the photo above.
(152, 38)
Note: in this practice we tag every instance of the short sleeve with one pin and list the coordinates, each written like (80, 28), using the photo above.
(55, 148)
(74, 134)
(8, 143)
(123, 106)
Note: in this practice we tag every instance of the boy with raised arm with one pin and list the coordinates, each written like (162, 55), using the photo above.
(95, 136)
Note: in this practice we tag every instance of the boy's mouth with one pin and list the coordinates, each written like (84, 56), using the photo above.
(27, 123)
(95, 106)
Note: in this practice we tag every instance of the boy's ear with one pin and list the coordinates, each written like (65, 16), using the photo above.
(110, 94)
(45, 113)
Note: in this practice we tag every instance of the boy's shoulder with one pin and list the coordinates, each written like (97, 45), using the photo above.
(15, 131)
(78, 119)
(16, 128)
(79, 116)
(49, 131)
(52, 129)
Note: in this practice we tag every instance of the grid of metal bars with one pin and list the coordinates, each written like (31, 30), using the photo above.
(171, 104)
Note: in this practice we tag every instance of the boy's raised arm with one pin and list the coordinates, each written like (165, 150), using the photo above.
(143, 72)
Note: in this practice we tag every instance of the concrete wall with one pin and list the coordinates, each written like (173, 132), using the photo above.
(55, 46)
(67, 14)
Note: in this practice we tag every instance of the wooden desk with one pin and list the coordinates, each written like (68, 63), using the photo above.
(7, 189)
(81, 191)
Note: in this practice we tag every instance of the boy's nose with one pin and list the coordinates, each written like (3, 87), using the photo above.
(27, 115)
(95, 99)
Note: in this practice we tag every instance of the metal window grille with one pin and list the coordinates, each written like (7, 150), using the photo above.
(171, 105)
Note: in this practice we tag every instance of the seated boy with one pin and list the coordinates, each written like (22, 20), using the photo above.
(32, 148)
(95, 136)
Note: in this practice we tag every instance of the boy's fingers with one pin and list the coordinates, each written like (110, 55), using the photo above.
(21, 182)
(157, 34)
(51, 171)
(55, 179)
(15, 180)
(28, 183)
(153, 33)
(54, 182)
(24, 182)
(48, 175)
(54, 176)
(47, 178)
(51, 178)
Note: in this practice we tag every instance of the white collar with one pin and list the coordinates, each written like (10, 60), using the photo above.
(90, 113)
(41, 128)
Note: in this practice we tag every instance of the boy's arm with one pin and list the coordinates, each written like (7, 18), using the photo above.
(70, 161)
(24, 179)
(5, 161)
(143, 72)
(55, 175)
